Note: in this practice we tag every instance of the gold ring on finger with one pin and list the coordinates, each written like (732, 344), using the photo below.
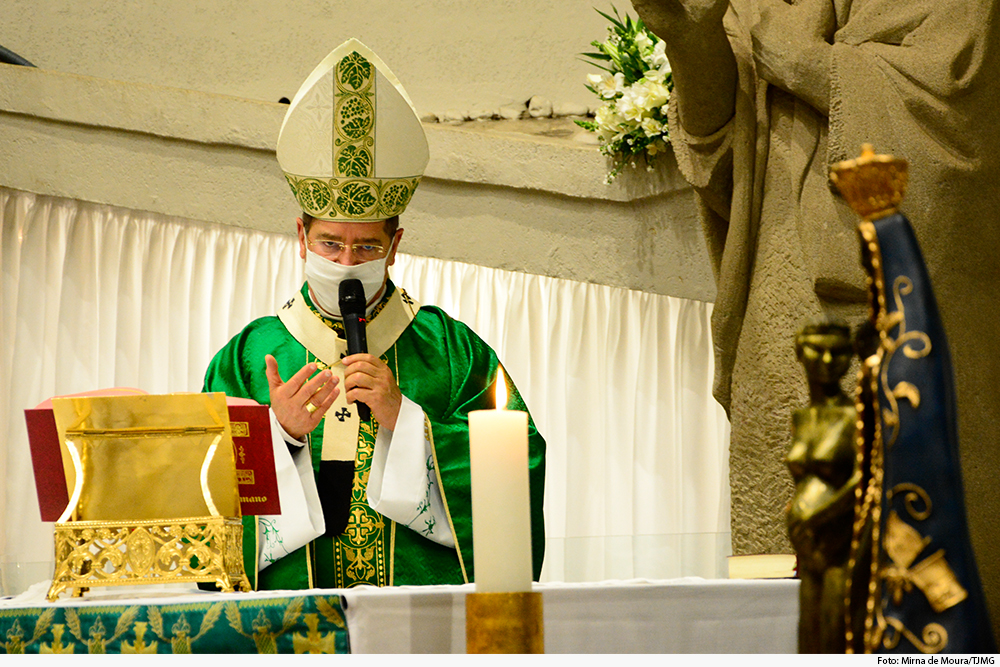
(310, 408)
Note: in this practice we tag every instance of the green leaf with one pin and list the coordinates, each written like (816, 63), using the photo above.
(354, 70)
(356, 198)
(598, 66)
(616, 22)
(313, 195)
(354, 161)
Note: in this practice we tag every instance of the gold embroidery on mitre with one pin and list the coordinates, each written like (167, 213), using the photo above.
(358, 199)
(342, 104)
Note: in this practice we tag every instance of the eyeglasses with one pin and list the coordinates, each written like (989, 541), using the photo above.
(366, 252)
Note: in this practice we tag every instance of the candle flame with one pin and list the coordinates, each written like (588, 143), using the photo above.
(501, 389)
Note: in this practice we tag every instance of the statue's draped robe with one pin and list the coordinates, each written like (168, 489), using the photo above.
(445, 368)
(917, 79)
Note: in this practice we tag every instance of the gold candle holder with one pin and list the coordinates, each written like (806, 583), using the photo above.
(504, 623)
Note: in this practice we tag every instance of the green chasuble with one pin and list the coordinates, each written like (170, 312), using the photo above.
(442, 366)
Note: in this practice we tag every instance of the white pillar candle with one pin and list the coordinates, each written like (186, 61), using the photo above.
(501, 515)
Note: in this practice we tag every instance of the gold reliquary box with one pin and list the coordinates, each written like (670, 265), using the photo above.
(153, 495)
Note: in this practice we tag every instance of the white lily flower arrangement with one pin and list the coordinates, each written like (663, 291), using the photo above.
(635, 88)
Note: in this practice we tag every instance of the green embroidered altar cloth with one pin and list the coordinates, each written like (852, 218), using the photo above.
(219, 624)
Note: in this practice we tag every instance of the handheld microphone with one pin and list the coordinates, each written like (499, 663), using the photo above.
(352, 309)
(336, 478)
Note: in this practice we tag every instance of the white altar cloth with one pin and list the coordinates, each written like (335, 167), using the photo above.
(690, 615)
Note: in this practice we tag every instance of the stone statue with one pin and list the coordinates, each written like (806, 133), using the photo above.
(823, 463)
(767, 96)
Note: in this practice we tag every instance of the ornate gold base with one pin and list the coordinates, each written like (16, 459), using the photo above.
(504, 623)
(128, 553)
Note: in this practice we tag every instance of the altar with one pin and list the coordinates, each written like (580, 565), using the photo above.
(690, 615)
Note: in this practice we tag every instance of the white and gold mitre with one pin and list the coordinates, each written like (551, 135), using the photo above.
(351, 145)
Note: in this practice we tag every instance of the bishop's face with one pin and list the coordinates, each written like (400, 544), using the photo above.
(338, 251)
(348, 243)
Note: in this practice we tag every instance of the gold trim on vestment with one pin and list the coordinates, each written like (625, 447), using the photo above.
(256, 550)
(323, 343)
(310, 564)
(360, 553)
(429, 434)
(340, 434)
(347, 438)
(392, 553)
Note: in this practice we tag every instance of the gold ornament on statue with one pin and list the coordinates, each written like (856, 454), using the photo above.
(823, 463)
(873, 185)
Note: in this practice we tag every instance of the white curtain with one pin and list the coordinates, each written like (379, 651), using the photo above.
(618, 381)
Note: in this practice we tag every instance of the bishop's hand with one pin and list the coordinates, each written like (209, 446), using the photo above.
(367, 379)
(300, 403)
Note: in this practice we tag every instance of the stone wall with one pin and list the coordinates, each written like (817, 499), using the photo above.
(523, 195)
(451, 55)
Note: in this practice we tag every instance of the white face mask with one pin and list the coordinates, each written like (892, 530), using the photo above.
(325, 276)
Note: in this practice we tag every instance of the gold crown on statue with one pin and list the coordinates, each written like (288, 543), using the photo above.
(873, 185)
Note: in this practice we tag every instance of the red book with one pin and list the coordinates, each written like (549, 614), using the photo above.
(251, 430)
(250, 425)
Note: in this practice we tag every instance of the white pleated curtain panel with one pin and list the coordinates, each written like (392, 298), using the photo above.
(618, 381)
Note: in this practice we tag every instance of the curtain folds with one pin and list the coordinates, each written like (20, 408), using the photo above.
(618, 381)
